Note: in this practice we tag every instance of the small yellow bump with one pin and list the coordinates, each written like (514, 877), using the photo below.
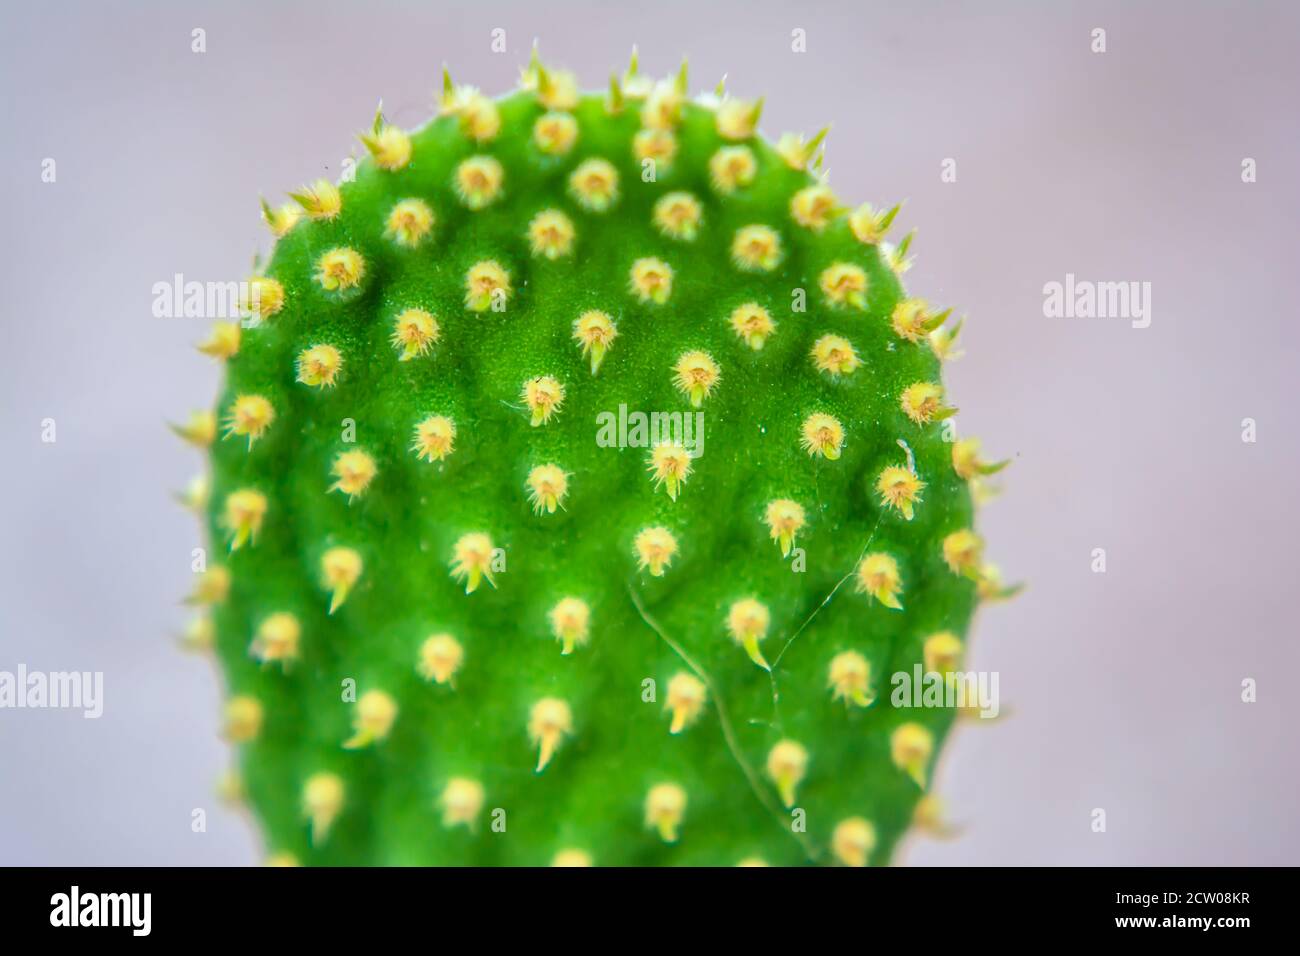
(799, 152)
(930, 818)
(849, 679)
(200, 635)
(635, 83)
(787, 763)
(813, 207)
(853, 841)
(471, 560)
(277, 639)
(595, 332)
(943, 342)
(748, 621)
(869, 225)
(549, 722)
(372, 721)
(339, 270)
(547, 485)
(408, 222)
(670, 466)
(199, 430)
(243, 516)
(923, 403)
(594, 184)
(212, 587)
(752, 324)
(440, 658)
(899, 488)
(478, 181)
(230, 788)
(910, 747)
(319, 200)
(655, 548)
(963, 552)
(913, 321)
(663, 106)
(756, 249)
(738, 119)
(281, 861)
(845, 284)
(543, 396)
(479, 117)
(823, 435)
(665, 806)
(572, 858)
(249, 415)
(555, 133)
(322, 801)
(659, 145)
(751, 862)
(678, 216)
(243, 719)
(942, 652)
(556, 89)
(195, 495)
(340, 569)
(319, 366)
(990, 587)
(696, 375)
(732, 168)
(614, 99)
(264, 297)
(435, 438)
(486, 284)
(785, 519)
(415, 332)
(390, 147)
(878, 577)
(462, 799)
(651, 280)
(835, 355)
(967, 463)
(896, 257)
(570, 623)
(550, 234)
(686, 698)
(281, 220)
(222, 342)
(354, 470)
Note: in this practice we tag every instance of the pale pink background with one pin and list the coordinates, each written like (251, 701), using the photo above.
(1124, 687)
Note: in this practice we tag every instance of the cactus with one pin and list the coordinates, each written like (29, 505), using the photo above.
(475, 605)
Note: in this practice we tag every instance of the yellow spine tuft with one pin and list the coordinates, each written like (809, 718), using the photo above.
(353, 471)
(823, 435)
(655, 548)
(471, 560)
(543, 395)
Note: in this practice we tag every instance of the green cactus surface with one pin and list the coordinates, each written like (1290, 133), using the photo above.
(472, 610)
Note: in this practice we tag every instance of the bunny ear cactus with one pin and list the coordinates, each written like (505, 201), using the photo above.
(580, 479)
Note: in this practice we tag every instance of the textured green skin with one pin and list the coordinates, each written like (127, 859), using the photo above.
(592, 794)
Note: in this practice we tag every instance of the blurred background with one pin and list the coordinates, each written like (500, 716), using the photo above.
(1121, 690)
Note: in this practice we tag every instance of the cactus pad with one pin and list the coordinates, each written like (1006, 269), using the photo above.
(579, 480)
